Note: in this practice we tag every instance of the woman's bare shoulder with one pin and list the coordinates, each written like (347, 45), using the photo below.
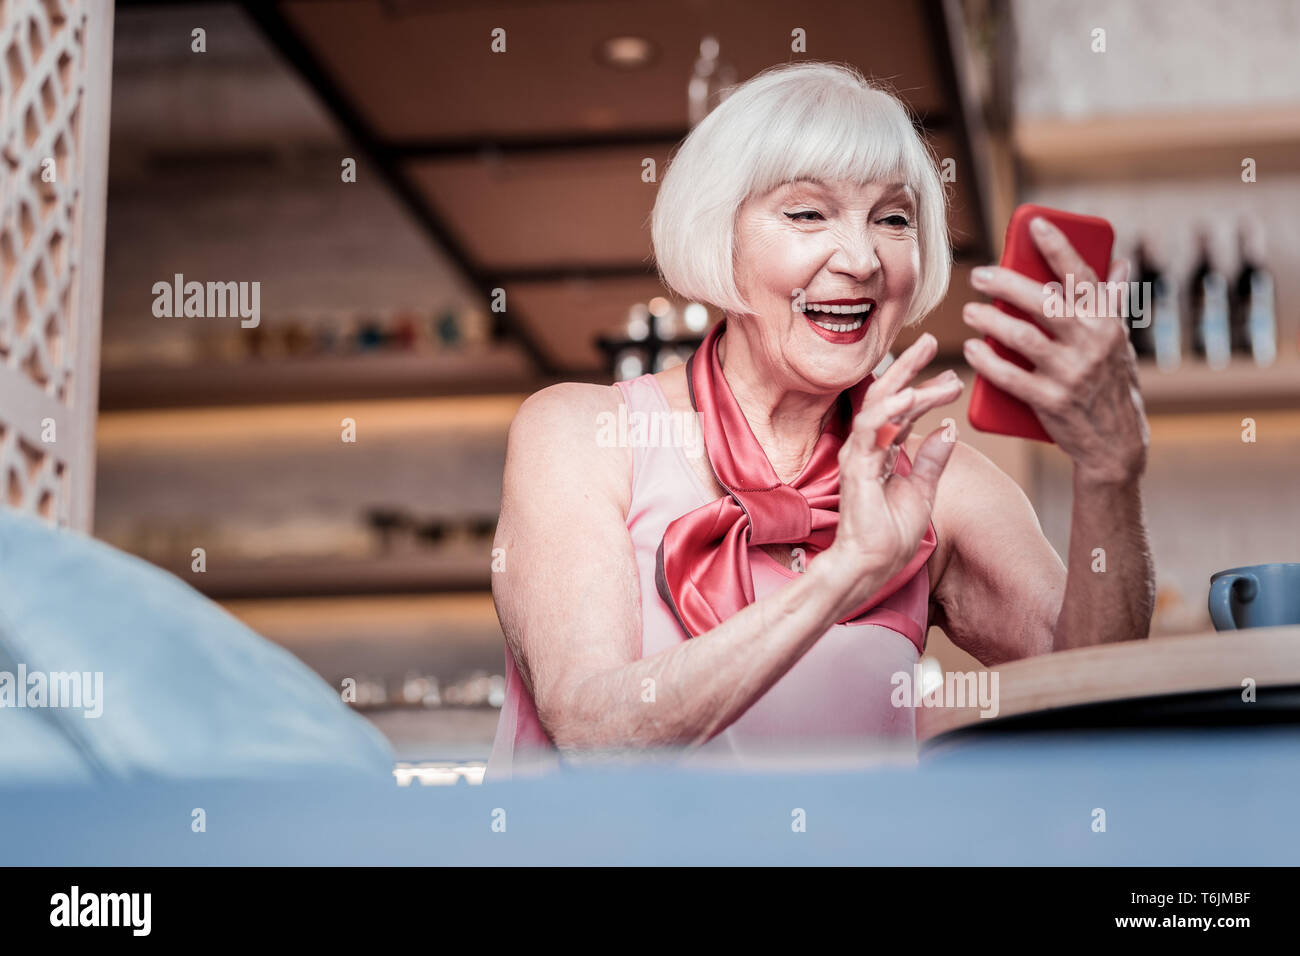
(557, 434)
(969, 477)
(563, 406)
(973, 491)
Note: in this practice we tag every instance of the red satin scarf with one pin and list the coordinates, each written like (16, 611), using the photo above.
(703, 571)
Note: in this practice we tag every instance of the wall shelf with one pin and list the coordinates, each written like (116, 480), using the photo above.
(1195, 387)
(1157, 146)
(442, 570)
(327, 378)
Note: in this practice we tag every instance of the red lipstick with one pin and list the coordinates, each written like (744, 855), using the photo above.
(842, 338)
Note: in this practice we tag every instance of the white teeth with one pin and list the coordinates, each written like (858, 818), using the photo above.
(839, 327)
(839, 309)
(853, 325)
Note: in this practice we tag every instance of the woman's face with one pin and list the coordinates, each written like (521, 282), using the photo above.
(837, 242)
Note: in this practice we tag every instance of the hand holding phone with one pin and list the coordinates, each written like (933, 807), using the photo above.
(991, 408)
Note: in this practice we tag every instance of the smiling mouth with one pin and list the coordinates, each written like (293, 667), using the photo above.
(835, 317)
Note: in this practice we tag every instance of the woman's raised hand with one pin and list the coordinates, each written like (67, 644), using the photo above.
(883, 516)
(1084, 384)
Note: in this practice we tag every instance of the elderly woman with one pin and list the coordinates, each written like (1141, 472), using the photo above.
(765, 592)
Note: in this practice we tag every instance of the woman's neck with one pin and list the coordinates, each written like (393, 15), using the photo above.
(786, 422)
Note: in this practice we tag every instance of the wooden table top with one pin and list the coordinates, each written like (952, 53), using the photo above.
(1130, 670)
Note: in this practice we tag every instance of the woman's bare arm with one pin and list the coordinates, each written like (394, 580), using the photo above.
(569, 599)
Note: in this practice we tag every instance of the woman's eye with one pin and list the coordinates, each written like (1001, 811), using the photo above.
(897, 220)
(807, 212)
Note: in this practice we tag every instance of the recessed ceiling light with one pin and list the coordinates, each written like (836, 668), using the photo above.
(626, 52)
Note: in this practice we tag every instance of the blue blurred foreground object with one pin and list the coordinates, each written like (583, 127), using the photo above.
(1192, 798)
(112, 669)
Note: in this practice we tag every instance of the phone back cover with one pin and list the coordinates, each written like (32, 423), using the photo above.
(991, 408)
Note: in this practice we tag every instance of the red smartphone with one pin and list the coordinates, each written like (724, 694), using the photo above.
(992, 409)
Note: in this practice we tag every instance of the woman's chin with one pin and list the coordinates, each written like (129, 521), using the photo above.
(832, 381)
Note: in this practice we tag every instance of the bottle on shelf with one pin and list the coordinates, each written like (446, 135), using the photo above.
(1164, 328)
(1208, 300)
(446, 329)
(1142, 298)
(1254, 312)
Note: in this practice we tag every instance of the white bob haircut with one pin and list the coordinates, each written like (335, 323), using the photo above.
(803, 121)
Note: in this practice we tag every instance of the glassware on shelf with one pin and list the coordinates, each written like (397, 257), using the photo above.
(1141, 311)
(665, 317)
(1166, 325)
(476, 326)
(370, 335)
(711, 80)
(297, 340)
(671, 357)
(1254, 305)
(446, 329)
(1208, 301)
(629, 364)
(638, 322)
(405, 331)
(696, 318)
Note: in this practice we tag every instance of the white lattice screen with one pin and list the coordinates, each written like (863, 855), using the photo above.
(55, 66)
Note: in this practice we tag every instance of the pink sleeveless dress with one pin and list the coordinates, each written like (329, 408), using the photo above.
(837, 694)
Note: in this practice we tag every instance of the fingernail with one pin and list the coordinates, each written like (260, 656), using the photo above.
(981, 275)
(968, 310)
(1040, 227)
(971, 346)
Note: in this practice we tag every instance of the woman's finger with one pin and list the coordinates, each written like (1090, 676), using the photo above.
(1030, 296)
(904, 432)
(1035, 390)
(947, 388)
(929, 463)
(1059, 253)
(1016, 334)
(875, 414)
(904, 368)
(940, 379)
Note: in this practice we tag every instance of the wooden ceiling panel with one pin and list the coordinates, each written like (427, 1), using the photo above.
(421, 70)
(535, 210)
(579, 208)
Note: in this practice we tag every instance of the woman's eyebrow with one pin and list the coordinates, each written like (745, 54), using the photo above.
(903, 195)
(796, 185)
(890, 193)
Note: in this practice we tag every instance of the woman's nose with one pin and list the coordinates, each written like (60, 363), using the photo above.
(856, 256)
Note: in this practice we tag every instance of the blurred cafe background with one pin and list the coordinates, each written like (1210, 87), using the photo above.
(381, 171)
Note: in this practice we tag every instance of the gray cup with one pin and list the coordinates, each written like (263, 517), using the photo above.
(1261, 595)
